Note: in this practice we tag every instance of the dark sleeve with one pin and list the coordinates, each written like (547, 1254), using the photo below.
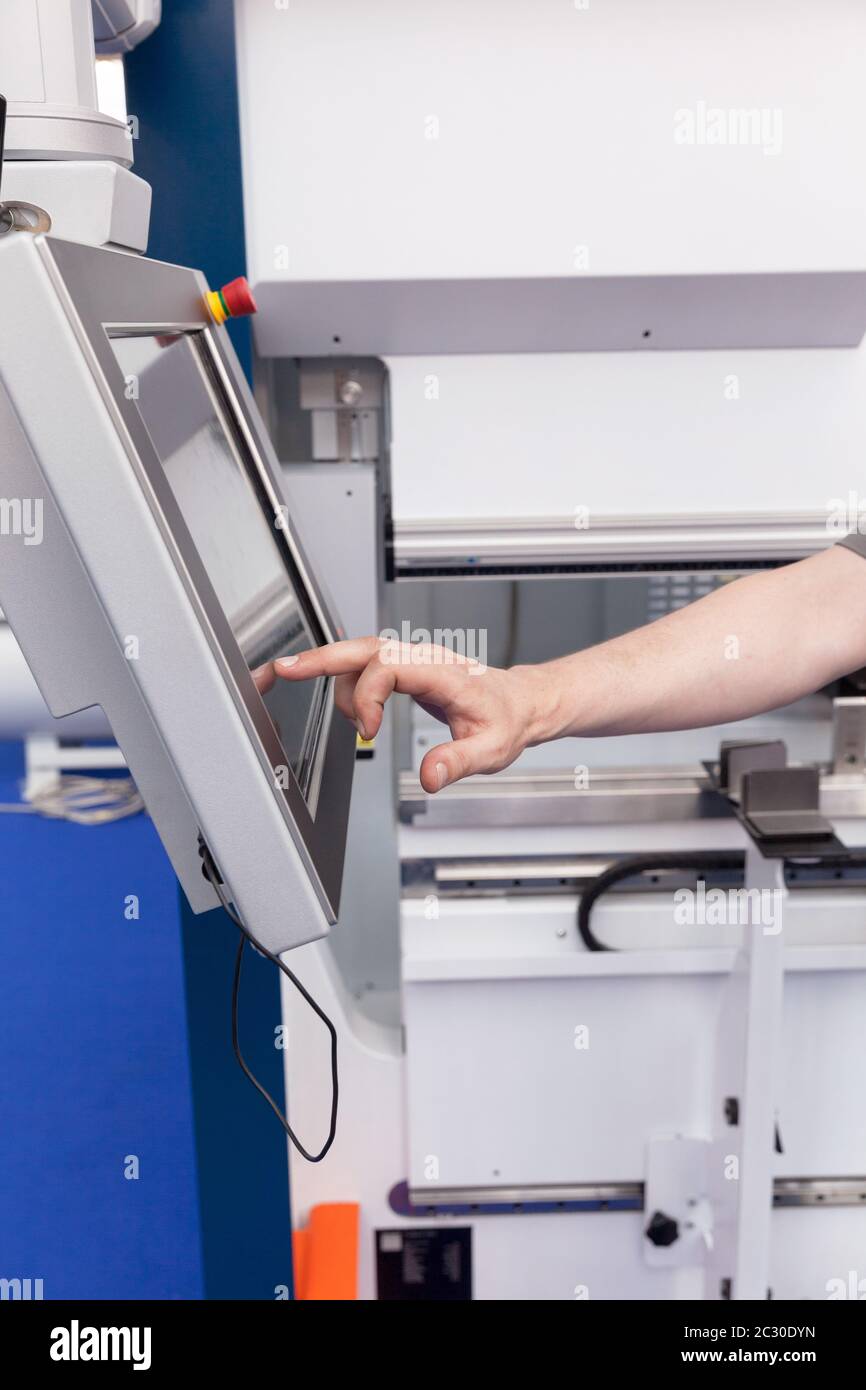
(855, 542)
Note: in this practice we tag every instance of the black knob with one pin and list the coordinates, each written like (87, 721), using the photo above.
(662, 1229)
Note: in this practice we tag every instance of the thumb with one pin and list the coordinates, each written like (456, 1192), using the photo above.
(448, 762)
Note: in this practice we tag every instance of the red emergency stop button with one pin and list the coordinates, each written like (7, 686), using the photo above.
(233, 301)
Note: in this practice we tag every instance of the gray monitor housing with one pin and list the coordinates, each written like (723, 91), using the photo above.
(135, 507)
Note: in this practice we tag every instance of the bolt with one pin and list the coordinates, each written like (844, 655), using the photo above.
(350, 391)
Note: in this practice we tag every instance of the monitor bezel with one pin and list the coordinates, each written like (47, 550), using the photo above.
(111, 294)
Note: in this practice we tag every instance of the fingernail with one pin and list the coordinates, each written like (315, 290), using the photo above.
(360, 727)
(284, 661)
(441, 775)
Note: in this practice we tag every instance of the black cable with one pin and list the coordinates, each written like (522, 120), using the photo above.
(212, 875)
(646, 863)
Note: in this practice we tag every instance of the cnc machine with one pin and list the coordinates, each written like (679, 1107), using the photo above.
(560, 313)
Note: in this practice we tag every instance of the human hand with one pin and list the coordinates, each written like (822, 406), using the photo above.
(492, 714)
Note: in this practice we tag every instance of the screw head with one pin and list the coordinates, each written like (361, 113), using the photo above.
(350, 391)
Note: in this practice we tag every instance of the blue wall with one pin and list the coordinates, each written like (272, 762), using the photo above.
(93, 1037)
(181, 85)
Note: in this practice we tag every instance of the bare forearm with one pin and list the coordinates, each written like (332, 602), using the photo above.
(754, 645)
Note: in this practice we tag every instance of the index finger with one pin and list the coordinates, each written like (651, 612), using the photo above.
(334, 659)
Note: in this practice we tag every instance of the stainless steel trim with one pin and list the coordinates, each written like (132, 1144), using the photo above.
(787, 1192)
(487, 870)
(614, 796)
(425, 549)
(517, 1196)
(819, 1192)
(497, 877)
(514, 798)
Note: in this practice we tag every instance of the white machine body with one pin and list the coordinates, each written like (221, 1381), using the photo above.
(64, 155)
(612, 259)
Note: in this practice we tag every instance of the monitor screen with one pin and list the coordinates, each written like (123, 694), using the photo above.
(233, 527)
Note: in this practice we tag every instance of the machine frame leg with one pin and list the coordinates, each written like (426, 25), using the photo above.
(746, 1091)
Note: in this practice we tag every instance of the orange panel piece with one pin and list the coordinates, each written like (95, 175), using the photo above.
(326, 1253)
